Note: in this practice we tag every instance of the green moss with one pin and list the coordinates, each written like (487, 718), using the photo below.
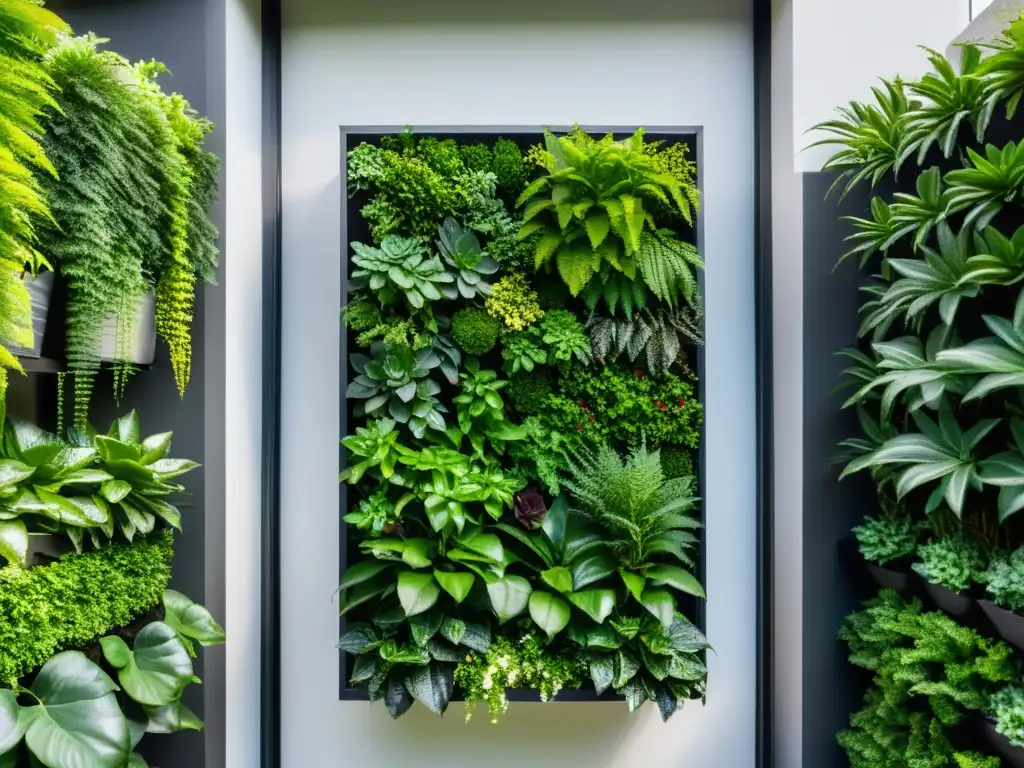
(676, 462)
(529, 392)
(475, 331)
(76, 599)
(509, 166)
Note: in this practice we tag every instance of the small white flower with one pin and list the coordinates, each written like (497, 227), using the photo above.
(503, 662)
(512, 675)
(488, 683)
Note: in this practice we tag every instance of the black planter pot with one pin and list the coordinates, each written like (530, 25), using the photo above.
(1012, 756)
(959, 606)
(901, 579)
(1008, 624)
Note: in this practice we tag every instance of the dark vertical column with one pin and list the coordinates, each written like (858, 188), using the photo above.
(830, 508)
(188, 36)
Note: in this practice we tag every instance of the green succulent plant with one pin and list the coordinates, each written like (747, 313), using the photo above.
(378, 513)
(397, 377)
(475, 331)
(466, 262)
(400, 269)
(480, 395)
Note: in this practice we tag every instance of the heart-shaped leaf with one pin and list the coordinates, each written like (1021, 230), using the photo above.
(602, 671)
(509, 596)
(417, 592)
(559, 579)
(191, 619)
(172, 718)
(548, 612)
(78, 721)
(397, 698)
(457, 585)
(157, 670)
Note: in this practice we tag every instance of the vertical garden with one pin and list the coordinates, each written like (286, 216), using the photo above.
(521, 460)
(104, 237)
(937, 380)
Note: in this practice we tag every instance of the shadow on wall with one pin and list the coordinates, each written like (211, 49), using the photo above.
(416, 12)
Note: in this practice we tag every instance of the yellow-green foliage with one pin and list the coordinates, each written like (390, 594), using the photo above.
(514, 302)
(25, 91)
(76, 599)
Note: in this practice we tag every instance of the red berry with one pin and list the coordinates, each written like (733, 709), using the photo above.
(682, 403)
(583, 404)
(579, 427)
(638, 373)
(591, 418)
(661, 405)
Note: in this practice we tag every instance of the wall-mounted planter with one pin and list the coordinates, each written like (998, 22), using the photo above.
(957, 605)
(44, 548)
(142, 348)
(897, 576)
(40, 291)
(1008, 624)
(1012, 756)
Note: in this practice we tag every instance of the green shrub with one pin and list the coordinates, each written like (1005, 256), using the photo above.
(508, 166)
(954, 562)
(475, 331)
(76, 599)
(676, 462)
(1007, 706)
(1005, 580)
(514, 302)
(886, 538)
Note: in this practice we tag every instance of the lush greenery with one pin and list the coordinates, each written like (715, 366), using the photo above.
(128, 203)
(522, 511)
(936, 378)
(74, 600)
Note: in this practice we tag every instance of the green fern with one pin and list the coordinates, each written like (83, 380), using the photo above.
(642, 514)
(25, 91)
(667, 266)
(656, 337)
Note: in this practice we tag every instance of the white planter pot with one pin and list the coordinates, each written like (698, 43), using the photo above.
(40, 291)
(141, 349)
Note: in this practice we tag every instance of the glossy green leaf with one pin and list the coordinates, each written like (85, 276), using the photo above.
(634, 582)
(78, 722)
(559, 579)
(661, 604)
(156, 670)
(432, 686)
(548, 612)
(359, 573)
(424, 626)
(602, 671)
(509, 596)
(13, 543)
(417, 592)
(172, 718)
(591, 570)
(675, 577)
(456, 584)
(191, 619)
(11, 728)
(598, 604)
(554, 524)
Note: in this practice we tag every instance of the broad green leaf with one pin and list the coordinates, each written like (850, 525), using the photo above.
(548, 612)
(358, 573)
(417, 592)
(191, 619)
(634, 582)
(591, 570)
(559, 579)
(11, 729)
(13, 472)
(126, 428)
(115, 490)
(661, 604)
(455, 584)
(396, 697)
(685, 637)
(432, 686)
(13, 544)
(363, 592)
(677, 578)
(417, 553)
(156, 670)
(111, 449)
(554, 524)
(135, 760)
(78, 723)
(598, 604)
(393, 653)
(602, 671)
(626, 667)
(509, 596)
(537, 544)
(360, 638)
(425, 625)
(155, 447)
(1011, 501)
(486, 544)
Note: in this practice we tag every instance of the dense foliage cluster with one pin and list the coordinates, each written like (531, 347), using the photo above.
(104, 179)
(937, 378)
(522, 512)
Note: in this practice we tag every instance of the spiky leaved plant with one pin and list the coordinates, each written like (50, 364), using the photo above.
(655, 337)
(26, 29)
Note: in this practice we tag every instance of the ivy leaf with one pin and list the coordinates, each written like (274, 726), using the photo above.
(602, 671)
(457, 585)
(432, 686)
(685, 637)
(559, 578)
(156, 670)
(78, 721)
(509, 596)
(191, 619)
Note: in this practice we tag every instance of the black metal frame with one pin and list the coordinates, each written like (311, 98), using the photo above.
(270, 665)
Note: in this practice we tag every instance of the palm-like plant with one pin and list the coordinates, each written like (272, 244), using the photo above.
(870, 136)
(1002, 72)
(951, 98)
(992, 182)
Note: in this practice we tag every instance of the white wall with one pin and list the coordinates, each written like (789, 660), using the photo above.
(241, 282)
(530, 62)
(841, 48)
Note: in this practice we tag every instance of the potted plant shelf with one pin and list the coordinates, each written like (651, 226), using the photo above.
(1011, 755)
(959, 605)
(1008, 624)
